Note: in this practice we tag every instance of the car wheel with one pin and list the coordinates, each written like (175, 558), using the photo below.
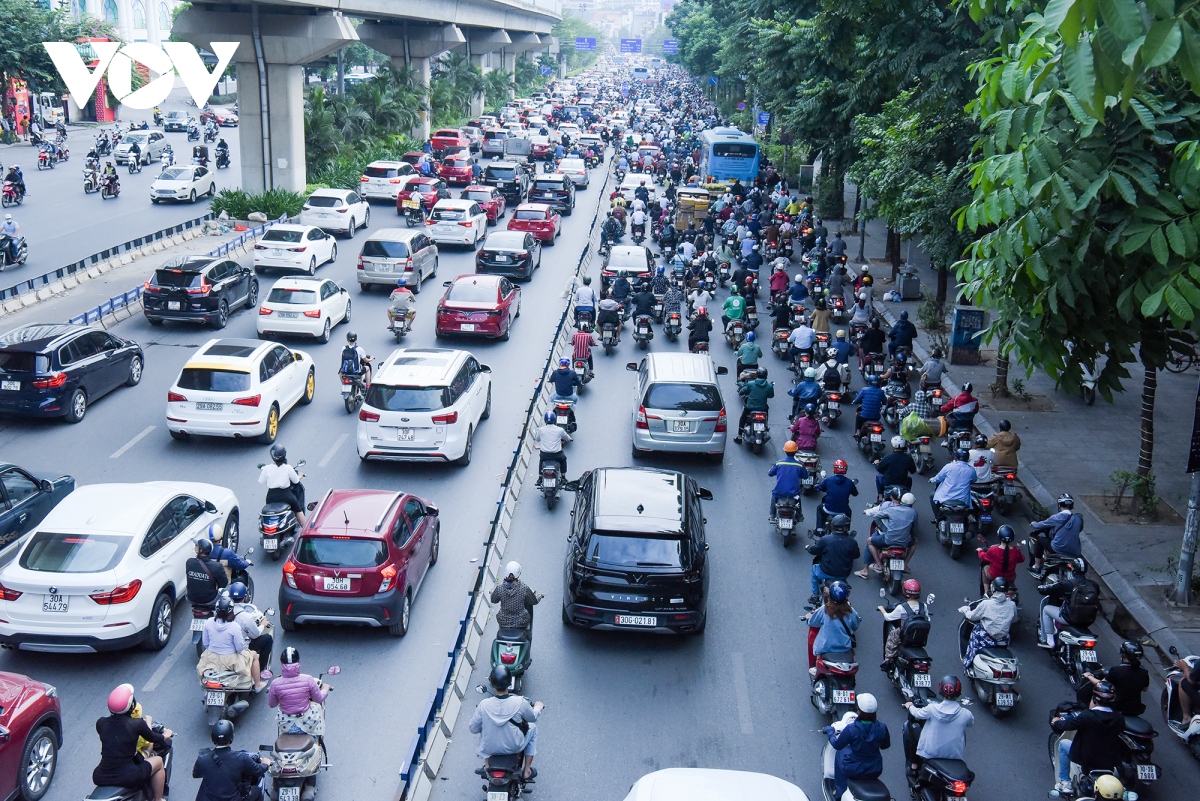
(158, 632)
(233, 531)
(212, 190)
(324, 337)
(310, 385)
(272, 429)
(364, 288)
(346, 317)
(465, 459)
(154, 321)
(252, 295)
(38, 761)
(487, 409)
(350, 229)
(135, 372)
(416, 288)
(192, 196)
(333, 253)
(436, 547)
(77, 406)
(312, 266)
(400, 627)
(222, 318)
(507, 332)
(434, 273)
(367, 218)
(287, 624)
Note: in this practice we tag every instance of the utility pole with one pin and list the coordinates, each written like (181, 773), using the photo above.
(1187, 551)
(341, 72)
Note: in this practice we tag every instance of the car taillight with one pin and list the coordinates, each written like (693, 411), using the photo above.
(50, 381)
(395, 180)
(958, 788)
(149, 287)
(314, 313)
(253, 400)
(388, 574)
(120, 595)
(289, 572)
(256, 247)
(175, 397)
(203, 289)
(431, 221)
(343, 211)
(367, 417)
(264, 310)
(445, 419)
(722, 422)
(300, 249)
(640, 420)
(7, 594)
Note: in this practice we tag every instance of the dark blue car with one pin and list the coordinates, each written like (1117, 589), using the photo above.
(26, 498)
(59, 370)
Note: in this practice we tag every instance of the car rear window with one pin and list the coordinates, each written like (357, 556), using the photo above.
(20, 361)
(341, 552)
(449, 214)
(469, 292)
(380, 172)
(683, 397)
(408, 399)
(320, 201)
(477, 195)
(530, 214)
(276, 235)
(211, 380)
(73, 553)
(176, 279)
(383, 249)
(548, 183)
(501, 173)
(298, 296)
(615, 550)
(496, 135)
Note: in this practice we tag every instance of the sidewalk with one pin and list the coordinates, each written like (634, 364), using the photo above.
(1070, 447)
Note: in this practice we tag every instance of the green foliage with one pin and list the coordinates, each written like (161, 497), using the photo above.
(566, 30)
(1142, 490)
(455, 81)
(24, 25)
(345, 169)
(223, 100)
(239, 204)
(498, 87)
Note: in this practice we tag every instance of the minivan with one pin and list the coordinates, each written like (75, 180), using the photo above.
(638, 556)
(393, 252)
(678, 405)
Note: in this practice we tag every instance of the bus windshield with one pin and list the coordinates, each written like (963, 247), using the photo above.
(735, 151)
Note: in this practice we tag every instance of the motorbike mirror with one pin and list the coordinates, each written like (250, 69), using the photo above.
(333, 671)
(930, 598)
(301, 463)
(269, 612)
(479, 688)
(883, 593)
(267, 675)
(1173, 651)
(249, 551)
(1129, 795)
(311, 505)
(631, 367)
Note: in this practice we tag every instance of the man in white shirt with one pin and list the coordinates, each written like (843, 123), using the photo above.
(283, 482)
(981, 457)
(549, 444)
(687, 250)
(802, 336)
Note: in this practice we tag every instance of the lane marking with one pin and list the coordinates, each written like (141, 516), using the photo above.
(742, 691)
(330, 454)
(121, 451)
(184, 643)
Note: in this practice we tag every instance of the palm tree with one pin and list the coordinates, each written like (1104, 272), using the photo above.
(322, 139)
(498, 87)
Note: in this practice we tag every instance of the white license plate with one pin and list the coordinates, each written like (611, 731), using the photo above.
(406, 434)
(922, 680)
(877, 438)
(10, 385)
(276, 253)
(834, 405)
(1088, 656)
(1147, 773)
(561, 420)
(293, 794)
(502, 259)
(1005, 699)
(643, 330)
(492, 796)
(896, 564)
(209, 407)
(681, 426)
(925, 448)
(843, 696)
(270, 545)
(55, 603)
(214, 698)
(956, 528)
(549, 483)
(786, 522)
(173, 305)
(197, 624)
(289, 315)
(634, 620)
(346, 390)
(381, 268)
(337, 584)
(1011, 491)
(466, 327)
(808, 482)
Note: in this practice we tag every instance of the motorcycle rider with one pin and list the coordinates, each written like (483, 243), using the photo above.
(404, 303)
(894, 529)
(828, 374)
(225, 648)
(901, 335)
(953, 483)
(869, 400)
(1077, 600)
(699, 328)
(659, 284)
(798, 291)
(283, 482)
(734, 308)
(910, 607)
(1097, 742)
(841, 347)
(788, 473)
(1004, 444)
(585, 299)
(135, 153)
(755, 394)
(858, 745)
(10, 232)
(609, 311)
(896, 469)
(831, 626)
(835, 554)
(225, 774)
(611, 230)
(643, 300)
(637, 222)
(642, 193)
(549, 444)
(1128, 679)
(222, 151)
(944, 734)
(565, 380)
(515, 599)
(748, 354)
(506, 724)
(299, 696)
(16, 178)
(247, 616)
(121, 763)
(981, 457)
(870, 344)
(960, 411)
(933, 370)
(806, 430)
(206, 577)
(582, 342)
(838, 490)
(673, 301)
(806, 392)
(1000, 561)
(1058, 534)
(355, 359)
(801, 340)
(993, 616)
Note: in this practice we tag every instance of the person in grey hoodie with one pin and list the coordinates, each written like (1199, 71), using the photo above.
(506, 724)
(944, 734)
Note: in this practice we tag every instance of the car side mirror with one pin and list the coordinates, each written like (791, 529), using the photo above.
(4, 734)
(445, 283)
(704, 494)
(631, 367)
(210, 507)
(46, 485)
(343, 290)
(311, 505)
(432, 510)
(483, 368)
(721, 370)
(571, 486)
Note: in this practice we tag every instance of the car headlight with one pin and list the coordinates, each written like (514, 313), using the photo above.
(51, 691)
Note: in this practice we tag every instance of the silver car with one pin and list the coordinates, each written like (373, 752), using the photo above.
(151, 144)
(678, 405)
(391, 253)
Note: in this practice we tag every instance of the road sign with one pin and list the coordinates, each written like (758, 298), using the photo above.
(670, 46)
(741, 106)
(712, 80)
(624, 91)
(631, 45)
(545, 70)
(585, 43)
(764, 118)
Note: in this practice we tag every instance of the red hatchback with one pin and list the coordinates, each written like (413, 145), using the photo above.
(360, 559)
(490, 198)
(456, 169)
(30, 736)
(538, 219)
(426, 188)
(484, 305)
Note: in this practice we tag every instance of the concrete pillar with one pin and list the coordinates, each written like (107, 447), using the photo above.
(481, 62)
(412, 44)
(423, 69)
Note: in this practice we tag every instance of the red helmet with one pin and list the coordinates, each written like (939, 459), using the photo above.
(840, 467)
(702, 311)
(912, 589)
(120, 700)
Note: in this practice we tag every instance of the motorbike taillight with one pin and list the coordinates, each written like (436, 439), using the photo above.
(508, 659)
(498, 774)
(921, 667)
(985, 502)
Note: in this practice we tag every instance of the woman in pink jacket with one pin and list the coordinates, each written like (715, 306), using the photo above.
(806, 429)
(300, 698)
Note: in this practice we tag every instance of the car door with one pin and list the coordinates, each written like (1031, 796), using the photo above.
(404, 547)
(154, 549)
(508, 298)
(315, 239)
(191, 522)
(113, 366)
(331, 305)
(200, 180)
(21, 504)
(154, 146)
(291, 384)
(83, 365)
(237, 283)
(418, 522)
(271, 384)
(358, 207)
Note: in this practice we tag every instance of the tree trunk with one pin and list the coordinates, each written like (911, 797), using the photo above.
(1001, 388)
(893, 252)
(943, 283)
(857, 207)
(1149, 390)
(862, 243)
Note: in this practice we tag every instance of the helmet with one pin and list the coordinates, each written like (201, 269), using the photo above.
(351, 337)
(204, 546)
(587, 279)
(563, 361)
(238, 591)
(831, 353)
(962, 454)
(1004, 425)
(839, 591)
(999, 584)
(810, 372)
(866, 703)
(702, 311)
(402, 281)
(750, 337)
(790, 446)
(1079, 565)
(980, 441)
(873, 381)
(1066, 500)
(222, 732)
(733, 289)
(754, 246)
(903, 315)
(1006, 533)
(662, 270)
(840, 467)
(1131, 650)
(761, 372)
(897, 442)
(908, 499)
(225, 608)
(8, 218)
(911, 588)
(810, 408)
(799, 278)
(121, 700)
(937, 353)
(500, 678)
(278, 454)
(892, 493)
(967, 387)
(549, 416)
(862, 296)
(290, 656)
(841, 334)
(840, 523)
(1104, 693)
(1108, 786)
(512, 569)
(950, 687)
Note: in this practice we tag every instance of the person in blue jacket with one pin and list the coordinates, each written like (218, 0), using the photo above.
(858, 745)
(788, 473)
(870, 400)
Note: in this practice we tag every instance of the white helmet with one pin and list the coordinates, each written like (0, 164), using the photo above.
(799, 278)
(862, 295)
(513, 570)
(897, 441)
(867, 703)
(908, 499)
(810, 372)
(866, 268)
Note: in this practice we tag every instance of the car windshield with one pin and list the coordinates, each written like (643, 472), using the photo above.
(21, 361)
(175, 174)
(501, 173)
(321, 201)
(176, 279)
(472, 292)
(383, 249)
(407, 399)
(616, 550)
(341, 552)
(49, 552)
(479, 195)
(213, 380)
(278, 235)
(683, 397)
(303, 297)
(449, 214)
(131, 138)
(530, 214)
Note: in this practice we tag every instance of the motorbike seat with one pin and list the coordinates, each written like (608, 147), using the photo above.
(910, 654)
(954, 506)
(997, 653)
(510, 762)
(293, 743)
(953, 769)
(513, 635)
(111, 794)
(1138, 726)
(842, 657)
(868, 790)
(272, 509)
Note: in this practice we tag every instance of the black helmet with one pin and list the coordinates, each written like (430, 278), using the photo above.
(204, 546)
(222, 732)
(761, 372)
(225, 610)
(1132, 651)
(1006, 533)
(967, 387)
(903, 315)
(1104, 693)
(290, 656)
(893, 493)
(937, 353)
(1004, 425)
(278, 454)
(500, 678)
(962, 454)
(950, 687)
(1078, 565)
(1000, 584)
(980, 441)
(351, 337)
(1066, 500)
(840, 523)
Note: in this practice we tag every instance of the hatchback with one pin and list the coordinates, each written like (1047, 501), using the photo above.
(306, 306)
(424, 189)
(391, 253)
(456, 169)
(490, 198)
(457, 222)
(383, 180)
(538, 219)
(678, 405)
(175, 121)
(33, 733)
(339, 210)
(59, 369)
(479, 305)
(198, 289)
(294, 247)
(515, 254)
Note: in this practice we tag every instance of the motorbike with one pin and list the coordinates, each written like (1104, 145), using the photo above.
(295, 759)
(398, 324)
(921, 451)
(871, 366)
(551, 482)
(278, 526)
(45, 160)
(833, 691)
(658, 308)
(779, 343)
(1074, 648)
(735, 333)
(135, 165)
(668, 253)
(643, 331)
(673, 325)
(1135, 768)
(584, 316)
(581, 369)
(562, 416)
(951, 526)
(609, 338)
(139, 793)
(812, 464)
(110, 187)
(226, 694)
(222, 159)
(6, 256)
(193, 134)
(10, 195)
(638, 233)
(983, 503)
(91, 181)
(829, 408)
(871, 443)
(512, 647)
(935, 779)
(503, 774)
(723, 274)
(202, 612)
(414, 215)
(959, 437)
(754, 431)
(787, 513)
(353, 386)
(857, 789)
(158, 118)
(103, 148)
(1010, 493)
(894, 410)
(994, 672)
(752, 317)
(909, 672)
(837, 309)
(1186, 730)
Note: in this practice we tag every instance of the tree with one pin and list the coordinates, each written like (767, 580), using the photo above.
(25, 25)
(566, 31)
(498, 87)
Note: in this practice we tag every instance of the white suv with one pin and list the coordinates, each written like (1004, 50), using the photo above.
(424, 404)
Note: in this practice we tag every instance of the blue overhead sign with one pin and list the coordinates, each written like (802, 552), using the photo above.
(712, 80)
(545, 70)
(764, 118)
(631, 45)
(585, 43)
(670, 47)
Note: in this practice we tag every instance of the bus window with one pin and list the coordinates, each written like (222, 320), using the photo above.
(735, 151)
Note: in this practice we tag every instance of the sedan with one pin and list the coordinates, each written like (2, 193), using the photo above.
(489, 198)
(150, 144)
(577, 170)
(33, 733)
(539, 219)
(478, 304)
(294, 247)
(341, 210)
(225, 117)
(106, 567)
(307, 306)
(515, 254)
(456, 169)
(183, 183)
(25, 499)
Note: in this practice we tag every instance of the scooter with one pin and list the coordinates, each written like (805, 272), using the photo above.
(779, 343)
(354, 388)
(581, 369)
(295, 759)
(222, 159)
(921, 451)
(832, 690)
(672, 326)
(871, 443)
(609, 338)
(1135, 768)
(278, 526)
(139, 793)
(512, 648)
(202, 612)
(983, 502)
(951, 526)
(787, 513)
(109, 187)
(958, 438)
(935, 779)
(909, 672)
(562, 416)
(503, 774)
(1186, 730)
(6, 257)
(812, 464)
(1074, 648)
(643, 331)
(857, 789)
(1010, 494)
(226, 694)
(135, 165)
(754, 432)
(994, 672)
(91, 181)
(829, 408)
(735, 333)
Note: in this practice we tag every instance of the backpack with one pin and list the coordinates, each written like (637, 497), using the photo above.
(914, 626)
(1083, 604)
(350, 362)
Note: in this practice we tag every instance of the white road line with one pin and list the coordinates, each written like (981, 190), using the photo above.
(121, 451)
(185, 642)
(742, 690)
(332, 451)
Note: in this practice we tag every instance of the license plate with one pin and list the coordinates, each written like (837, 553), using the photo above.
(276, 253)
(214, 698)
(549, 483)
(834, 405)
(681, 426)
(925, 448)
(173, 305)
(877, 438)
(922, 680)
(406, 434)
(843, 696)
(381, 268)
(289, 315)
(786, 522)
(985, 519)
(1011, 492)
(562, 419)
(337, 584)
(209, 407)
(1088, 656)
(270, 545)
(643, 330)
(503, 259)
(293, 794)
(410, 204)
(895, 564)
(197, 624)
(492, 796)
(346, 391)
(808, 482)
(1006, 699)
(1147, 773)
(633, 620)
(55, 603)
(10, 385)
(466, 327)
(956, 528)
(760, 427)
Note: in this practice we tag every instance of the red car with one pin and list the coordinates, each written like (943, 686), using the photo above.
(538, 219)
(447, 140)
(414, 158)
(540, 147)
(456, 169)
(426, 188)
(361, 557)
(481, 304)
(490, 198)
(30, 736)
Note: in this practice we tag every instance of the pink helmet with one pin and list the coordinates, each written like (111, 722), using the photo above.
(120, 700)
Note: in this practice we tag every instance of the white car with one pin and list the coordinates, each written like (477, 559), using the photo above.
(150, 143)
(383, 180)
(457, 222)
(577, 169)
(184, 182)
(294, 247)
(692, 784)
(424, 404)
(339, 210)
(309, 306)
(632, 181)
(238, 388)
(105, 568)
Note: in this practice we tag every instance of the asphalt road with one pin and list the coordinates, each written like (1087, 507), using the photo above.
(384, 681)
(620, 705)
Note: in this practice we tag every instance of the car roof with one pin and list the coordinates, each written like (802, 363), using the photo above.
(478, 278)
(299, 281)
(125, 508)
(33, 338)
(501, 164)
(706, 784)
(289, 227)
(640, 499)
(480, 187)
(425, 179)
(533, 207)
(388, 163)
(627, 250)
(680, 367)
(420, 366)
(189, 264)
(504, 239)
(338, 193)
(353, 512)
(233, 352)
(392, 235)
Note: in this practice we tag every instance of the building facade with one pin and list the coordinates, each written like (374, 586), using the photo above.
(134, 20)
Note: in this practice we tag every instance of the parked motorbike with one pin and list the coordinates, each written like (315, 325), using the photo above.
(909, 672)
(295, 760)
(1186, 730)
(643, 330)
(994, 672)
(951, 526)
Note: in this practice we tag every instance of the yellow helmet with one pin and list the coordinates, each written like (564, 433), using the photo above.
(1109, 786)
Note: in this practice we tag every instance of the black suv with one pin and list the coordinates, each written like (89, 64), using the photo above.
(199, 289)
(637, 558)
(555, 190)
(510, 178)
